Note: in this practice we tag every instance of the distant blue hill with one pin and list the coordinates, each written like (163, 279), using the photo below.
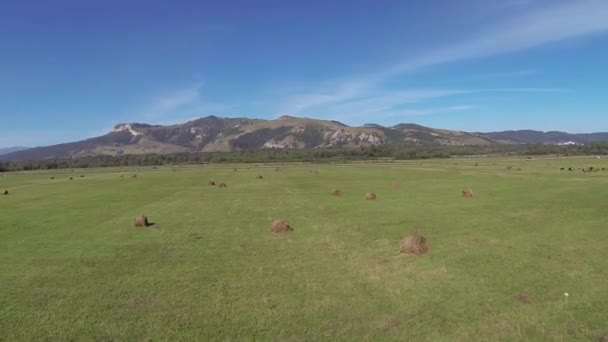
(7, 150)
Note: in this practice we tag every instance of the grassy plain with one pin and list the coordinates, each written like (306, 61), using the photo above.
(72, 267)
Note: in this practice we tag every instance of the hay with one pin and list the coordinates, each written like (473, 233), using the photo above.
(260, 177)
(223, 185)
(415, 244)
(467, 193)
(6, 192)
(71, 178)
(141, 221)
(280, 226)
(370, 196)
(337, 192)
(211, 183)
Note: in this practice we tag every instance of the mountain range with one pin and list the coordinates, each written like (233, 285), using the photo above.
(212, 133)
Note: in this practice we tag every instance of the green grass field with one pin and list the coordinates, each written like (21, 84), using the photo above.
(73, 267)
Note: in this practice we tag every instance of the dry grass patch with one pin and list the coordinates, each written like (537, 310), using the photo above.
(523, 298)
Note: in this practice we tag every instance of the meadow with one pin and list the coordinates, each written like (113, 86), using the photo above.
(73, 267)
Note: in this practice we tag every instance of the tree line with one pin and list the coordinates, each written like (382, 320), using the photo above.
(327, 155)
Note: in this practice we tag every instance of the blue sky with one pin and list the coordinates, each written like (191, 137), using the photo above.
(72, 69)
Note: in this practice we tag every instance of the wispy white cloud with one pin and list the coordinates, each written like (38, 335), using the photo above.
(390, 105)
(498, 75)
(509, 74)
(528, 90)
(172, 101)
(432, 111)
(304, 101)
(352, 100)
(176, 105)
(381, 105)
(540, 26)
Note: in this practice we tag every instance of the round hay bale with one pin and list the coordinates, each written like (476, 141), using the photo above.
(211, 183)
(141, 221)
(6, 192)
(337, 192)
(280, 226)
(71, 178)
(415, 244)
(260, 177)
(467, 193)
(223, 185)
(370, 196)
